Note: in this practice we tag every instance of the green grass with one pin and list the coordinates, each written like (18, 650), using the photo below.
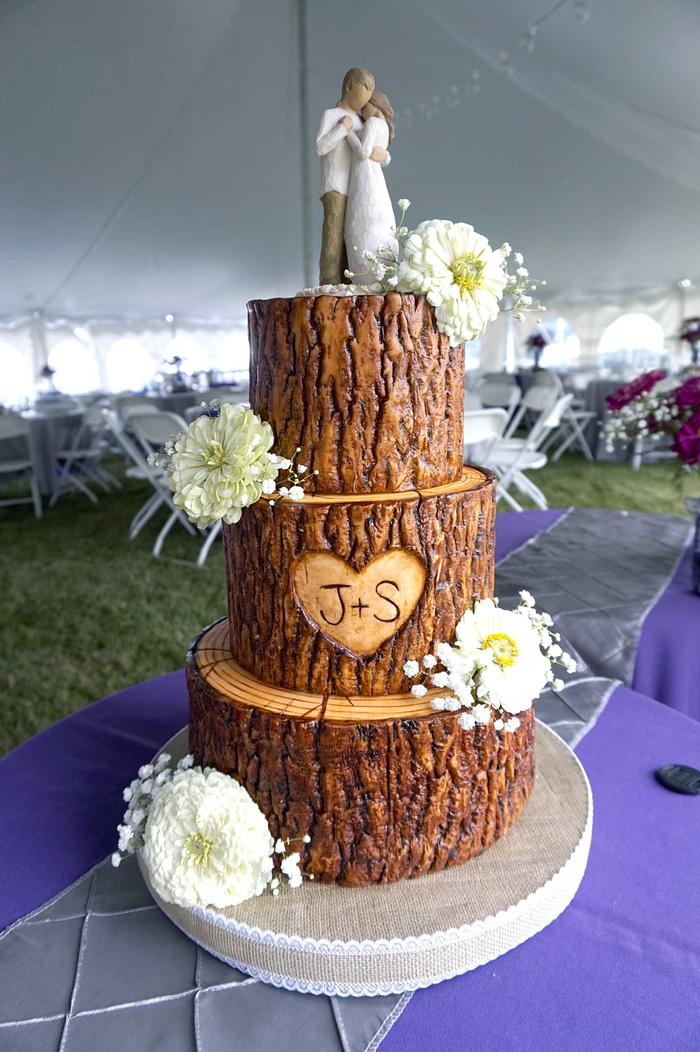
(86, 612)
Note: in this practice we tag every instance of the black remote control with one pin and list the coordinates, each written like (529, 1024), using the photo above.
(680, 779)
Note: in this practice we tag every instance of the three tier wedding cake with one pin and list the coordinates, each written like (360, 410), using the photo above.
(302, 695)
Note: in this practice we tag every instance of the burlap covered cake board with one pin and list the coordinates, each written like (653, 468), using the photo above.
(392, 938)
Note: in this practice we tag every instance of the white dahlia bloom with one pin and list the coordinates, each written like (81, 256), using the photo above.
(206, 841)
(505, 646)
(458, 272)
(222, 464)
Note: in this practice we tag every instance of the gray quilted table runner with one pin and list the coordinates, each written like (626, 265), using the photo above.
(100, 967)
(599, 573)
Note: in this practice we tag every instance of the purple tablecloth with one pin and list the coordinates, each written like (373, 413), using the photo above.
(668, 657)
(619, 970)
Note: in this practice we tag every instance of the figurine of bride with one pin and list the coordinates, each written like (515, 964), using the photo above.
(369, 220)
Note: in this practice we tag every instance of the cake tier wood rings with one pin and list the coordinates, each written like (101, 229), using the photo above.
(333, 594)
(385, 787)
(366, 386)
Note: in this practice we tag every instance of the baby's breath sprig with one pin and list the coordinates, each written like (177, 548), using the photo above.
(290, 869)
(139, 796)
(520, 286)
(652, 415)
(296, 477)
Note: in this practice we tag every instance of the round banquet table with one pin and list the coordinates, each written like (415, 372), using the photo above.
(48, 434)
(667, 665)
(619, 969)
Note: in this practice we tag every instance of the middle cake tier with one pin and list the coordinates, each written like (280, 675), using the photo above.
(333, 594)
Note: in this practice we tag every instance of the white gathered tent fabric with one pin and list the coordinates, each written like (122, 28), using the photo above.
(158, 161)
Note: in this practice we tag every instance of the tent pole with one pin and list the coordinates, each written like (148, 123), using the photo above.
(305, 143)
(37, 336)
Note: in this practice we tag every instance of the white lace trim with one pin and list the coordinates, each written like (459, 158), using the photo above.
(564, 883)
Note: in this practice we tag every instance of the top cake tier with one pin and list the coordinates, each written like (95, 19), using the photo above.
(365, 386)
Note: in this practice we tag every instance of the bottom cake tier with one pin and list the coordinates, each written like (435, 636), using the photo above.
(385, 787)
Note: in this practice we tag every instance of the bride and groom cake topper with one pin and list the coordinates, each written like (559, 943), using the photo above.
(352, 142)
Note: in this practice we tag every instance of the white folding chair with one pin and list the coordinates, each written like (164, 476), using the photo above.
(17, 462)
(482, 428)
(572, 433)
(79, 463)
(146, 406)
(536, 401)
(497, 394)
(511, 458)
(124, 402)
(150, 434)
(153, 430)
(140, 468)
(571, 429)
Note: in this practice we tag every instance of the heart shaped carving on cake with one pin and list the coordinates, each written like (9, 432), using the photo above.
(359, 610)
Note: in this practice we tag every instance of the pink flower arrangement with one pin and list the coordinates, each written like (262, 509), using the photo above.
(688, 394)
(641, 410)
(634, 389)
(686, 442)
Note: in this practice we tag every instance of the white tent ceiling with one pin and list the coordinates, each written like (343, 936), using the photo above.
(153, 155)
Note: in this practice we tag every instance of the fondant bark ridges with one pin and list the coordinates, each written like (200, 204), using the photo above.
(381, 800)
(366, 386)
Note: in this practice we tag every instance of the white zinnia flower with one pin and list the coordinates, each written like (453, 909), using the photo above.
(207, 842)
(458, 272)
(220, 465)
(516, 671)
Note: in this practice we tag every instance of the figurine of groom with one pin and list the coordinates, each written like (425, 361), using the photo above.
(335, 154)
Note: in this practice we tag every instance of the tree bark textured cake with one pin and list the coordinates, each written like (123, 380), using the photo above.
(301, 695)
